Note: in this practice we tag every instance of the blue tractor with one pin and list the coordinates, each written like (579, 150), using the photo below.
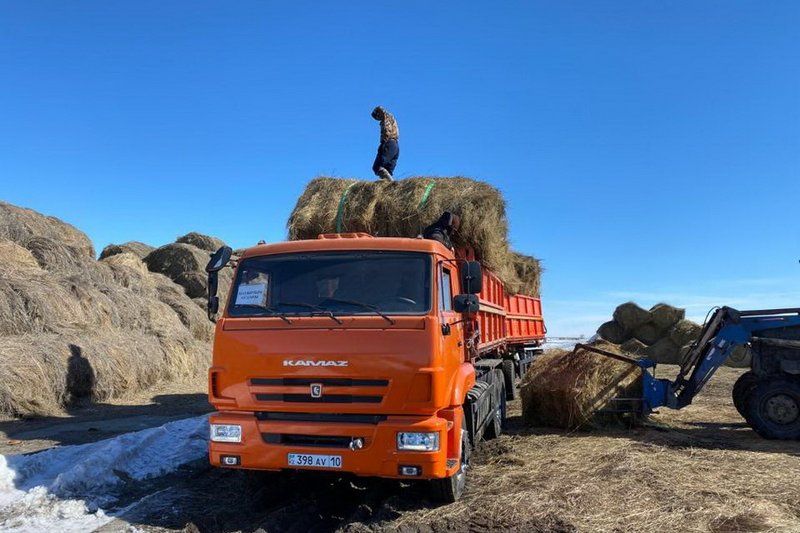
(767, 396)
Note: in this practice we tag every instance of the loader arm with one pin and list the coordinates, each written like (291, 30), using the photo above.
(727, 329)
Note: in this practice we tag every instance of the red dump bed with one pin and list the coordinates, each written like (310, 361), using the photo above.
(507, 320)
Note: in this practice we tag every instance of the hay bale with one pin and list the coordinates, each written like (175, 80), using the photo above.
(684, 332)
(647, 333)
(664, 351)
(174, 259)
(130, 272)
(664, 316)
(528, 271)
(612, 331)
(204, 242)
(20, 225)
(634, 347)
(567, 389)
(404, 208)
(56, 256)
(139, 249)
(630, 316)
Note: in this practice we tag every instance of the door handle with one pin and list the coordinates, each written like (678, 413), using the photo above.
(445, 329)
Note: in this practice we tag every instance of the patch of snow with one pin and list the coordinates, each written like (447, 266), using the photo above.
(63, 489)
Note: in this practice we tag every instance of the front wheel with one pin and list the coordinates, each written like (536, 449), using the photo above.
(741, 391)
(451, 488)
(773, 408)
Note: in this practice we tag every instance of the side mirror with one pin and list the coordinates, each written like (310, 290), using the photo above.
(466, 303)
(217, 262)
(219, 259)
(471, 277)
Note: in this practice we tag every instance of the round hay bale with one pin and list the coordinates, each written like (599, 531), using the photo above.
(741, 357)
(664, 316)
(19, 225)
(204, 242)
(16, 257)
(529, 274)
(684, 332)
(139, 249)
(630, 316)
(404, 208)
(33, 302)
(664, 351)
(130, 272)
(634, 347)
(193, 317)
(648, 333)
(176, 259)
(194, 283)
(55, 256)
(567, 389)
(612, 332)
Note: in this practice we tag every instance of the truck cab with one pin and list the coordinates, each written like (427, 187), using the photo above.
(353, 354)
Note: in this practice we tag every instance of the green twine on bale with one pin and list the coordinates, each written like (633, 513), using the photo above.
(425, 196)
(340, 211)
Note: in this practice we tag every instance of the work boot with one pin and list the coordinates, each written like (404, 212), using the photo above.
(384, 174)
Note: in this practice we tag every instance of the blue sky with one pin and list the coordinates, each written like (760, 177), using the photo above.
(649, 150)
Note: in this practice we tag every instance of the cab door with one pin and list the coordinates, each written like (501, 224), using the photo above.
(451, 327)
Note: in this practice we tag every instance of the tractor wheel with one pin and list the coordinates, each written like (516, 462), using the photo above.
(450, 489)
(495, 427)
(509, 376)
(773, 408)
(741, 391)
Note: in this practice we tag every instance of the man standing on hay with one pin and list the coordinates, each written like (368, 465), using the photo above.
(389, 149)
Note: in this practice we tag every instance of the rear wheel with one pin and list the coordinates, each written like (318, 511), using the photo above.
(509, 376)
(451, 488)
(773, 408)
(495, 427)
(741, 391)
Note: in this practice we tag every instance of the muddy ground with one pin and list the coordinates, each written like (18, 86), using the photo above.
(700, 469)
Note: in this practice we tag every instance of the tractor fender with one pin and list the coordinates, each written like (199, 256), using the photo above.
(463, 381)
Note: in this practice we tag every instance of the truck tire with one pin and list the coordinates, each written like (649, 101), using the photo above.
(773, 408)
(495, 427)
(509, 375)
(450, 489)
(741, 391)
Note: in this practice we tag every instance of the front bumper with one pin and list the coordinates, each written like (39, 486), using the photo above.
(378, 457)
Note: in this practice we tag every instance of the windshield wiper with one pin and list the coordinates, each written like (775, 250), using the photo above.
(364, 305)
(270, 311)
(315, 310)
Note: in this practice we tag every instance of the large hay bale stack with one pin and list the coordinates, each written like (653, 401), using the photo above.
(664, 351)
(404, 208)
(684, 332)
(72, 327)
(185, 264)
(569, 389)
(647, 333)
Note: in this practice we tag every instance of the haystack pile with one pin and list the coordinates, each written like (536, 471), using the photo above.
(661, 333)
(72, 327)
(569, 389)
(404, 208)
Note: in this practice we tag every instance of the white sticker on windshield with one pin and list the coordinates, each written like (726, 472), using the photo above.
(254, 294)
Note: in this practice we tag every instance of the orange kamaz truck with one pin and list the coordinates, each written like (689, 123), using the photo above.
(384, 357)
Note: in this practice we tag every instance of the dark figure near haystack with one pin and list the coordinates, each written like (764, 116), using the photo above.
(442, 230)
(389, 149)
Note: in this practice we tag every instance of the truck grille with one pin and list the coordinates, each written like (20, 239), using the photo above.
(339, 397)
(316, 441)
(343, 418)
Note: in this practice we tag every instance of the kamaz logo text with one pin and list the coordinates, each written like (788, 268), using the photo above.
(291, 362)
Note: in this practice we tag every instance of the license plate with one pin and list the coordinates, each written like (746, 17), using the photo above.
(315, 461)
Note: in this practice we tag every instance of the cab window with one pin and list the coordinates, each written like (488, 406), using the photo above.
(445, 292)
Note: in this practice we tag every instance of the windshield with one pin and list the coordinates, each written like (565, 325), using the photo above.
(341, 283)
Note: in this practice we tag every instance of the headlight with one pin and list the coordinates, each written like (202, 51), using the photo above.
(418, 442)
(226, 433)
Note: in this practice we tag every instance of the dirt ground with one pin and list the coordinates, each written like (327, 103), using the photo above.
(699, 469)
